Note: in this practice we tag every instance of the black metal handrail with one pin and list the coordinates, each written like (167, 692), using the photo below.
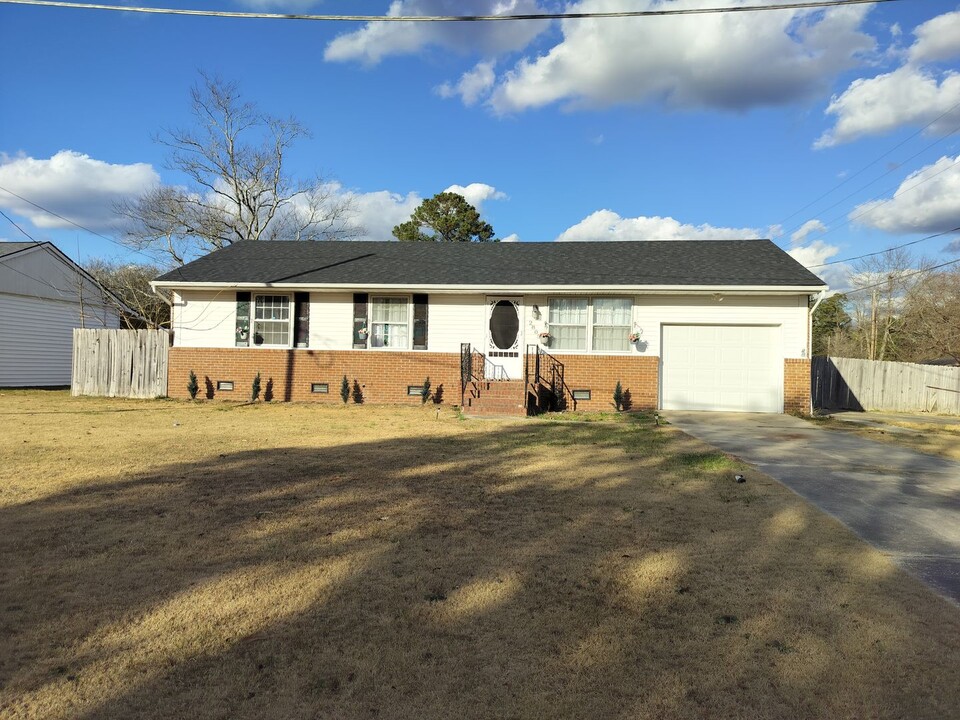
(544, 371)
(472, 368)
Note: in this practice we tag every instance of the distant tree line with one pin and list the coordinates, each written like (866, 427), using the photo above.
(897, 308)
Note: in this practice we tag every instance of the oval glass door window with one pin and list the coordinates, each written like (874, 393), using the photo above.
(504, 324)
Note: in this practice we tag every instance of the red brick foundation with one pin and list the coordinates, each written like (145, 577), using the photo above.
(796, 386)
(383, 376)
(638, 375)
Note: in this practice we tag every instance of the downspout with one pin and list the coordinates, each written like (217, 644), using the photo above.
(167, 300)
(821, 296)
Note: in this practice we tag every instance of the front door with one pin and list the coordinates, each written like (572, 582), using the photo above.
(504, 348)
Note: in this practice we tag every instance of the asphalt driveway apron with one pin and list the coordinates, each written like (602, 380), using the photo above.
(904, 503)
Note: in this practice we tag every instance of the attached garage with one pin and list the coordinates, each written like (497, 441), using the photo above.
(735, 368)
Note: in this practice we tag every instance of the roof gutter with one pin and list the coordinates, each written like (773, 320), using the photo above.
(504, 289)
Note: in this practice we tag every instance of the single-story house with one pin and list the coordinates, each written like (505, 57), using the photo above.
(705, 325)
(44, 295)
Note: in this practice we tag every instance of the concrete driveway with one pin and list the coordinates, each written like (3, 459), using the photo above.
(905, 503)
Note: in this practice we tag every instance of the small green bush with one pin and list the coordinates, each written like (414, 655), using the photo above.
(255, 388)
(618, 396)
(345, 390)
(357, 392)
(425, 390)
(193, 387)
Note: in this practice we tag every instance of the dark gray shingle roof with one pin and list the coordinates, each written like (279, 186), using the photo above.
(9, 248)
(679, 262)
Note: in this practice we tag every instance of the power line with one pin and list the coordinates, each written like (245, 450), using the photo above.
(881, 157)
(68, 220)
(17, 226)
(902, 277)
(881, 252)
(450, 18)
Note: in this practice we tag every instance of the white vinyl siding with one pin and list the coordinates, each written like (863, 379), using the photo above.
(735, 368)
(205, 318)
(787, 311)
(331, 321)
(455, 319)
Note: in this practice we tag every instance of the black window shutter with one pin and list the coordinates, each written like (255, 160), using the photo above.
(243, 319)
(420, 314)
(360, 329)
(301, 322)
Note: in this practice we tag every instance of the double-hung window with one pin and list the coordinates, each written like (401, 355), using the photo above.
(568, 323)
(390, 320)
(271, 320)
(611, 324)
(598, 325)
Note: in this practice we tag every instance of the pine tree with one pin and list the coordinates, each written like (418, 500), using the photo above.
(425, 391)
(344, 389)
(193, 387)
(618, 397)
(255, 389)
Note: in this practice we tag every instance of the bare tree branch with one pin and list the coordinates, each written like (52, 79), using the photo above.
(238, 186)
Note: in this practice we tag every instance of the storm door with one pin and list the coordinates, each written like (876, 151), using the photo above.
(504, 348)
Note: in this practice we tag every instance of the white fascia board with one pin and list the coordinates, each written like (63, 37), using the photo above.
(506, 289)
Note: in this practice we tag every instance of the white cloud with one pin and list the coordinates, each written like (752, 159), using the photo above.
(608, 225)
(913, 94)
(817, 253)
(473, 84)
(73, 185)
(379, 211)
(807, 229)
(730, 61)
(937, 39)
(927, 201)
(512, 237)
(907, 96)
(477, 193)
(377, 40)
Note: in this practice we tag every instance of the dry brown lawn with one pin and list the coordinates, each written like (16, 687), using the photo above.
(168, 560)
(930, 438)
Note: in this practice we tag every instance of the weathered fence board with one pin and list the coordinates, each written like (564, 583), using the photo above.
(851, 384)
(120, 363)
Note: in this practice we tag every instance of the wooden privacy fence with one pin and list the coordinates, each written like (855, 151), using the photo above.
(120, 363)
(850, 384)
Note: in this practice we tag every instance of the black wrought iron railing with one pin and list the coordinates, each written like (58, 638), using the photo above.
(545, 380)
(472, 368)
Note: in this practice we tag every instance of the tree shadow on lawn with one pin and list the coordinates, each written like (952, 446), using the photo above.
(532, 570)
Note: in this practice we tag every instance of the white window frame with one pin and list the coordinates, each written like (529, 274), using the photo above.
(253, 319)
(408, 299)
(590, 323)
(593, 324)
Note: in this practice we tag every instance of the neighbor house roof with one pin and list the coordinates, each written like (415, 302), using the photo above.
(9, 248)
(651, 263)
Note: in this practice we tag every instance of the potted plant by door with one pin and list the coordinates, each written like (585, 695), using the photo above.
(545, 338)
(362, 333)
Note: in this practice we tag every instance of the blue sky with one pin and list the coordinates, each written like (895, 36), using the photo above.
(640, 129)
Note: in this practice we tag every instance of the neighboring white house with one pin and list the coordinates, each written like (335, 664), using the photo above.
(44, 295)
(707, 325)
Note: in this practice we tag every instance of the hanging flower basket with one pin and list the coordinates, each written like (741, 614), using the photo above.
(545, 338)
(634, 337)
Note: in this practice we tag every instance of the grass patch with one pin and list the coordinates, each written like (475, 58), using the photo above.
(172, 559)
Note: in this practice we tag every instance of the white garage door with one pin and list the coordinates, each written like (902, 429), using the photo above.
(722, 367)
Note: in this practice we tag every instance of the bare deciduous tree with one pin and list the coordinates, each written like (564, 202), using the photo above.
(237, 185)
(879, 286)
(129, 287)
(931, 317)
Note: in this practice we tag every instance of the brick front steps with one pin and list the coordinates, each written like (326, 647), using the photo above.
(495, 397)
